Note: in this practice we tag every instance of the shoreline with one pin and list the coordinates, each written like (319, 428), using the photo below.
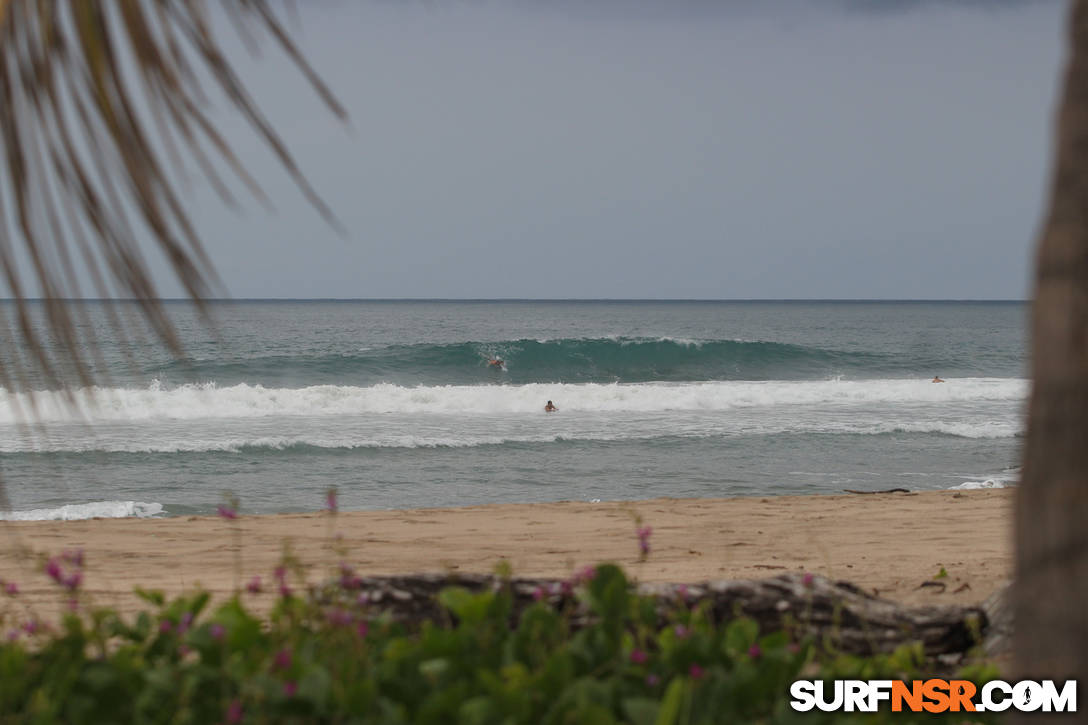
(884, 543)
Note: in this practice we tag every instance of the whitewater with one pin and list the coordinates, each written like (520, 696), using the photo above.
(395, 404)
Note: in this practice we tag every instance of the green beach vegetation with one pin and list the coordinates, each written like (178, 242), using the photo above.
(328, 654)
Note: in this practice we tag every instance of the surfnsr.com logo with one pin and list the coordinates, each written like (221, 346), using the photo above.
(933, 695)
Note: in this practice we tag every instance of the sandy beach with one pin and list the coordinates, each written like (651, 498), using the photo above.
(886, 543)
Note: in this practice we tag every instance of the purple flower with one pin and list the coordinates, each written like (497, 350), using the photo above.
(229, 513)
(363, 599)
(290, 688)
(282, 660)
(639, 657)
(652, 680)
(234, 712)
(166, 626)
(32, 626)
(808, 579)
(11, 589)
(585, 574)
(755, 652)
(217, 631)
(281, 576)
(644, 541)
(338, 617)
(681, 631)
(696, 672)
(254, 585)
(73, 580)
(348, 580)
(330, 500)
(54, 570)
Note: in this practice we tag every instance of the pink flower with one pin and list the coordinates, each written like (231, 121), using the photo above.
(11, 589)
(644, 541)
(254, 585)
(338, 617)
(73, 580)
(281, 576)
(808, 579)
(638, 656)
(290, 688)
(282, 660)
(755, 652)
(228, 513)
(234, 712)
(538, 594)
(696, 672)
(217, 631)
(166, 626)
(585, 574)
(53, 569)
(348, 580)
(32, 626)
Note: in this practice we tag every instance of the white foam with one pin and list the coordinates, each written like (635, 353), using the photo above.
(988, 483)
(95, 509)
(209, 401)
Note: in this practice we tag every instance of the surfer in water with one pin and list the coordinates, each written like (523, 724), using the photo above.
(496, 362)
(550, 407)
(936, 379)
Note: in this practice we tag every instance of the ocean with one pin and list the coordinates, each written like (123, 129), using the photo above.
(395, 404)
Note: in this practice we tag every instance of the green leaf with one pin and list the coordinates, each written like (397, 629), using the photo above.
(468, 607)
(740, 635)
(669, 714)
(641, 710)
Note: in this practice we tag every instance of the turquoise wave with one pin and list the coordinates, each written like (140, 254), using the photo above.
(570, 360)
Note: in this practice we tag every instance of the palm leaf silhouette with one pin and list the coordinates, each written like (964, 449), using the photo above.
(99, 104)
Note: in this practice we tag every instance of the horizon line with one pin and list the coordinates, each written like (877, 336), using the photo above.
(526, 299)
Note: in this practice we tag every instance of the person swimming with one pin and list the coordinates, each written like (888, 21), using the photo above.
(936, 379)
(550, 407)
(496, 362)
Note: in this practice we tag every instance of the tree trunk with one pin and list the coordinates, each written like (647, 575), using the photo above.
(1051, 599)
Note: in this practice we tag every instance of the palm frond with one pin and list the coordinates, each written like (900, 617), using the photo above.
(99, 104)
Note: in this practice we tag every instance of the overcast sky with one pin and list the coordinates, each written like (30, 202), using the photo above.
(672, 149)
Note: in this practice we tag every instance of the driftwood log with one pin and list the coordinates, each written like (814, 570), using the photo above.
(837, 614)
